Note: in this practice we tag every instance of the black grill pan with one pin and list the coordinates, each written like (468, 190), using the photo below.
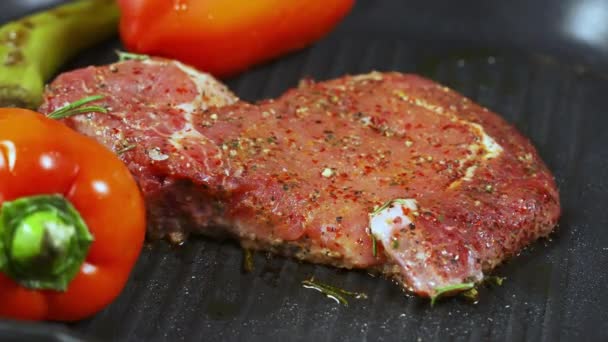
(541, 64)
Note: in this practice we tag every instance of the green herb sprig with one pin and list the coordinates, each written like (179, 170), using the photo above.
(441, 291)
(129, 56)
(77, 107)
(335, 293)
(126, 149)
(374, 244)
(248, 264)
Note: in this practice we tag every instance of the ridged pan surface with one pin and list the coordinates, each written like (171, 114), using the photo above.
(549, 84)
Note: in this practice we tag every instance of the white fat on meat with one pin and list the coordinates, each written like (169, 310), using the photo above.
(385, 224)
(485, 144)
(382, 222)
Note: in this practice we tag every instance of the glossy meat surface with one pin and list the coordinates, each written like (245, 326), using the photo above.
(382, 171)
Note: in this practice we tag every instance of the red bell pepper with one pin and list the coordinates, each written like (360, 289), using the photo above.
(72, 219)
(224, 37)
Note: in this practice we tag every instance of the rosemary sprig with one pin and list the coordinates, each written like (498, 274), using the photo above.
(248, 265)
(126, 149)
(388, 204)
(450, 288)
(374, 244)
(332, 292)
(382, 207)
(471, 294)
(468, 290)
(76, 107)
(494, 280)
(127, 56)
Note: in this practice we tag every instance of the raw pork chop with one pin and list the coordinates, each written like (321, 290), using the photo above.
(383, 171)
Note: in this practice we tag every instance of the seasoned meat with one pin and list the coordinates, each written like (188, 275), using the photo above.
(383, 171)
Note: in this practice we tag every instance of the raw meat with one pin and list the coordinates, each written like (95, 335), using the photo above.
(383, 171)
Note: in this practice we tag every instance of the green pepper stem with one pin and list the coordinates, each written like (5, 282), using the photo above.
(43, 241)
(442, 291)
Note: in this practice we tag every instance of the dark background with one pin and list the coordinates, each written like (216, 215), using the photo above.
(540, 64)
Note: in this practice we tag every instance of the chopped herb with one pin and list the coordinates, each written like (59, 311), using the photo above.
(382, 207)
(495, 280)
(401, 201)
(388, 204)
(449, 289)
(395, 243)
(332, 292)
(472, 294)
(234, 143)
(126, 149)
(374, 244)
(329, 135)
(127, 56)
(441, 218)
(339, 219)
(248, 260)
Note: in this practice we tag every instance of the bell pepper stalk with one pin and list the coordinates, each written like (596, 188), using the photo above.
(72, 218)
(224, 37)
(32, 49)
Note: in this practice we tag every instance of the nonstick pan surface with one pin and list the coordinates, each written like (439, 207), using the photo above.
(542, 64)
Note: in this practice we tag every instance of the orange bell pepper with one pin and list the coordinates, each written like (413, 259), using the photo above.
(72, 219)
(224, 37)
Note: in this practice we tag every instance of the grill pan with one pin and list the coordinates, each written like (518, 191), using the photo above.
(541, 64)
